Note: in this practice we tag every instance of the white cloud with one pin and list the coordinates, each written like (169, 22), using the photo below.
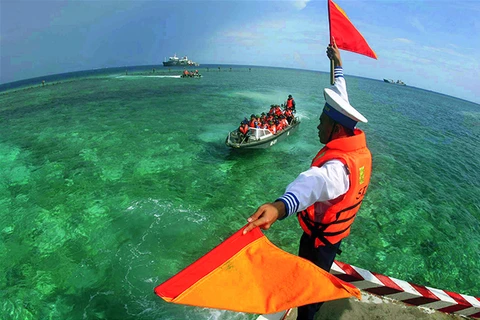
(403, 40)
(415, 22)
(241, 35)
(275, 32)
(300, 4)
(447, 51)
(244, 38)
(272, 24)
(299, 61)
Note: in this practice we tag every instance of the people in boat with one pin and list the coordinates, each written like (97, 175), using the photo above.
(257, 121)
(328, 195)
(278, 110)
(272, 127)
(243, 128)
(283, 121)
(290, 103)
(269, 117)
(272, 109)
(253, 121)
(263, 117)
(289, 115)
(279, 125)
(275, 117)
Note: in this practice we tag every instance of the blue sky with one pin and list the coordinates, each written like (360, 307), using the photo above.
(433, 45)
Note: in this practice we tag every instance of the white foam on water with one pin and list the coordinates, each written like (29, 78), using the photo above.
(85, 310)
(213, 314)
(139, 76)
(473, 114)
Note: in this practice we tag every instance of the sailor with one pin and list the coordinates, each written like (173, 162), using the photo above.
(327, 196)
(290, 103)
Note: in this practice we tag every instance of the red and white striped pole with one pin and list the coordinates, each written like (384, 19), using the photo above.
(409, 293)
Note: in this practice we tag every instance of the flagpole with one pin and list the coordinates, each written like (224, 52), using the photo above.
(332, 80)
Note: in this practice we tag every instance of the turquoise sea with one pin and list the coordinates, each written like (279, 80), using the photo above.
(110, 183)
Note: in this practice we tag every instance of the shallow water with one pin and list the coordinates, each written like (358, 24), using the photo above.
(110, 183)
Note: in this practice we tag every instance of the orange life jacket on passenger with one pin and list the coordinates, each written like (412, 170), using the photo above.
(253, 123)
(290, 103)
(273, 128)
(333, 224)
(244, 128)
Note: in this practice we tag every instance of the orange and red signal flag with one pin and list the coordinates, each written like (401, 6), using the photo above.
(346, 36)
(247, 273)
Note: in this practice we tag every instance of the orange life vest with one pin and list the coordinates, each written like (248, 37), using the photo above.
(333, 224)
(273, 129)
(289, 103)
(244, 129)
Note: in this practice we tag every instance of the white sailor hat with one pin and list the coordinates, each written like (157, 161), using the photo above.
(340, 110)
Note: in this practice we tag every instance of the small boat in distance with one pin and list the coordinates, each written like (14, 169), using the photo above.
(190, 74)
(399, 82)
(176, 61)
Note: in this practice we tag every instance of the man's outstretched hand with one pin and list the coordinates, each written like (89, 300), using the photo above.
(265, 216)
